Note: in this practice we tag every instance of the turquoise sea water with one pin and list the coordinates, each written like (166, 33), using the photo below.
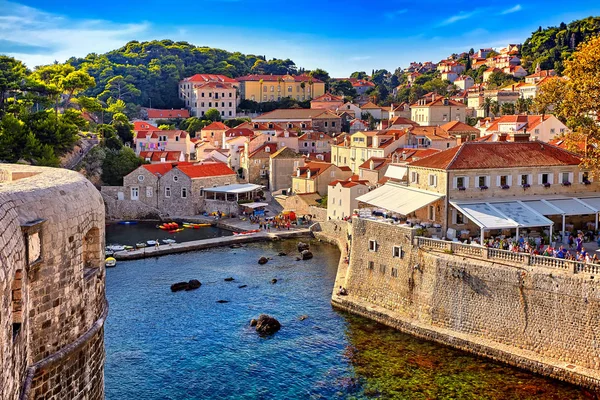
(185, 345)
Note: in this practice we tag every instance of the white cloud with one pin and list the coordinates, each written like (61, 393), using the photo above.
(512, 10)
(458, 17)
(395, 13)
(38, 37)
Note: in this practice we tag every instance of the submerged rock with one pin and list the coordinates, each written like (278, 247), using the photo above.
(253, 322)
(267, 325)
(176, 287)
(193, 284)
(306, 255)
(273, 281)
(302, 246)
(282, 254)
(302, 317)
(263, 260)
(230, 279)
(222, 301)
(242, 286)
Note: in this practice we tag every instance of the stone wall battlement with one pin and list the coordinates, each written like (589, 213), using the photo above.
(525, 311)
(52, 294)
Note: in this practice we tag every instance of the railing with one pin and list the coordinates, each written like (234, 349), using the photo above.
(507, 256)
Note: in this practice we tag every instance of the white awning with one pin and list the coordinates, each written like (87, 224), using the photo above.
(485, 216)
(592, 202)
(399, 199)
(542, 207)
(572, 207)
(523, 215)
(237, 188)
(396, 172)
(255, 205)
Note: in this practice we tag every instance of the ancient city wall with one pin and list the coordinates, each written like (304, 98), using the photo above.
(52, 296)
(543, 318)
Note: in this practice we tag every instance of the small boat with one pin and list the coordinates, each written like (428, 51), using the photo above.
(151, 242)
(140, 245)
(115, 247)
(127, 222)
(247, 232)
(110, 262)
(176, 230)
(169, 241)
(109, 253)
(169, 226)
(128, 247)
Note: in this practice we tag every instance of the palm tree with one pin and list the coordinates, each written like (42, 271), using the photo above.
(487, 103)
(311, 83)
(495, 107)
(260, 95)
(279, 80)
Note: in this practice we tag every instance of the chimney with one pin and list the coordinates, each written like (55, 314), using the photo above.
(372, 165)
(404, 155)
(502, 136)
(308, 173)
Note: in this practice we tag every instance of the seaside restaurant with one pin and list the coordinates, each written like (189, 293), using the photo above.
(236, 192)
(556, 216)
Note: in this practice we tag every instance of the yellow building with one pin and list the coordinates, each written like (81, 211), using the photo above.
(263, 88)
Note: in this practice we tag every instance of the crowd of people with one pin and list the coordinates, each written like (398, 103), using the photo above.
(573, 251)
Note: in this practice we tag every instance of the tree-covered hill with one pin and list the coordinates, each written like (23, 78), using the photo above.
(147, 73)
(551, 46)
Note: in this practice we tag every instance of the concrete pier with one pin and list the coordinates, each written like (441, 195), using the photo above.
(165, 249)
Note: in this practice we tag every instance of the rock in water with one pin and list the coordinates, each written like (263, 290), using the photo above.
(230, 279)
(302, 317)
(263, 260)
(222, 301)
(282, 254)
(176, 287)
(253, 322)
(193, 284)
(273, 281)
(242, 286)
(302, 246)
(267, 325)
(306, 255)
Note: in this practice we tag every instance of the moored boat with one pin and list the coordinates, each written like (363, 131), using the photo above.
(110, 262)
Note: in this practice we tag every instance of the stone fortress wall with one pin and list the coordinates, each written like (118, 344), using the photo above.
(52, 297)
(536, 314)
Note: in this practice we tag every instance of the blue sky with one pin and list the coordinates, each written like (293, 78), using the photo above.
(338, 36)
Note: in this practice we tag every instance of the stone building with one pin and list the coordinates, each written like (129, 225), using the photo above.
(342, 194)
(213, 133)
(161, 190)
(482, 189)
(52, 298)
(315, 176)
(165, 141)
(320, 120)
(282, 164)
(256, 163)
(437, 111)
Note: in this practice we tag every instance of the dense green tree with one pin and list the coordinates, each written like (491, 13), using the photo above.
(499, 79)
(120, 88)
(320, 74)
(12, 76)
(343, 88)
(212, 114)
(507, 108)
(117, 164)
(359, 75)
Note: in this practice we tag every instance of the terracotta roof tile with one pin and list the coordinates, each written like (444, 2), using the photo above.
(206, 170)
(488, 155)
(156, 113)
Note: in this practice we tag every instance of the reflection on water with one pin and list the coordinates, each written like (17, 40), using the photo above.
(163, 345)
(143, 231)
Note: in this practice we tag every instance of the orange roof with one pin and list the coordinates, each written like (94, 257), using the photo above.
(327, 97)
(162, 168)
(488, 155)
(167, 156)
(143, 126)
(350, 182)
(530, 121)
(209, 78)
(215, 126)
(206, 170)
(155, 113)
(431, 132)
(378, 163)
(262, 149)
(316, 168)
(409, 155)
(369, 105)
(235, 132)
(457, 126)
(402, 121)
(214, 85)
